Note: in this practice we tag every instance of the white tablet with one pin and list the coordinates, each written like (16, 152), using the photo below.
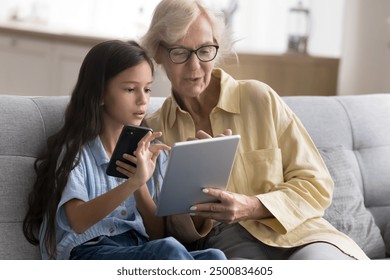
(192, 166)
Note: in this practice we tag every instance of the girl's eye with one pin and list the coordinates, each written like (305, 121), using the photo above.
(148, 90)
(130, 89)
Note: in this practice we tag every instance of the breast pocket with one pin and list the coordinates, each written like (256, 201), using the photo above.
(262, 170)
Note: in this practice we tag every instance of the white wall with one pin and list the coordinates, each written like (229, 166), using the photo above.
(365, 55)
(356, 31)
(120, 19)
(260, 25)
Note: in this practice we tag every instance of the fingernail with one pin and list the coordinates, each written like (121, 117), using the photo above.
(205, 190)
(193, 208)
(192, 214)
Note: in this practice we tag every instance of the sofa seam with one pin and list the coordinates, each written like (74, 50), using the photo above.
(24, 156)
(33, 100)
(354, 149)
(349, 121)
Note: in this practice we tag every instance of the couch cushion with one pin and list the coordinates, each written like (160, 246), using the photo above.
(360, 123)
(25, 124)
(370, 125)
(324, 118)
(14, 246)
(20, 118)
(16, 178)
(51, 109)
(386, 236)
(347, 212)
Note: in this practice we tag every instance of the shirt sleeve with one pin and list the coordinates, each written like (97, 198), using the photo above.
(183, 228)
(156, 181)
(307, 187)
(74, 189)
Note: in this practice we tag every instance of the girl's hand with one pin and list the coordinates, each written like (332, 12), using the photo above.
(200, 134)
(145, 159)
(82, 215)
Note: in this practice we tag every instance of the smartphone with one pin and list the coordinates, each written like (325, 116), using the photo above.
(127, 143)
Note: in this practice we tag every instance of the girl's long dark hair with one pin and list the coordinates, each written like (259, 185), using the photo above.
(83, 122)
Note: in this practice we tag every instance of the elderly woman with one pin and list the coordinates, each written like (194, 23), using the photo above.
(279, 186)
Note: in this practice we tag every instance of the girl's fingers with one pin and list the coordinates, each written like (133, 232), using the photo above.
(200, 134)
(127, 166)
(159, 147)
(148, 138)
(125, 171)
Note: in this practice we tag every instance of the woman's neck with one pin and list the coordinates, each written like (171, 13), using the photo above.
(203, 103)
(200, 107)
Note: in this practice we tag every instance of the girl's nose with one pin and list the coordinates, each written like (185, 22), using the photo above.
(142, 98)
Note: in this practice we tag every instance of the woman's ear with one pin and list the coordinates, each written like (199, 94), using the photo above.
(158, 55)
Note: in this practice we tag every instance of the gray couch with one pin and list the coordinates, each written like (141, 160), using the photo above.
(351, 132)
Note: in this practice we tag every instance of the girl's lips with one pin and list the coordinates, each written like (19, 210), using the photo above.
(139, 114)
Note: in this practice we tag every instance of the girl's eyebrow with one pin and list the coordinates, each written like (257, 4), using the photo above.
(136, 82)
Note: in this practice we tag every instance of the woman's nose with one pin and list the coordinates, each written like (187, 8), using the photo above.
(193, 61)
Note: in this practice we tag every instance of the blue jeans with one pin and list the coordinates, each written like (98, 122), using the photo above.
(133, 246)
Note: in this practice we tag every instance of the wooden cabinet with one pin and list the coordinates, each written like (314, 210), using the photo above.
(47, 63)
(288, 74)
(38, 66)
(24, 66)
(44, 62)
(67, 59)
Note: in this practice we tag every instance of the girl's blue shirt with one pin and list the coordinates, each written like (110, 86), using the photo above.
(89, 180)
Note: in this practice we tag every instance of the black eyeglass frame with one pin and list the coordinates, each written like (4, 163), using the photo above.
(191, 51)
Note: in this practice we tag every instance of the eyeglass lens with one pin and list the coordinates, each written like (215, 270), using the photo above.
(204, 53)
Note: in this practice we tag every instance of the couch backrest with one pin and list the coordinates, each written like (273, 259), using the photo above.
(359, 123)
(25, 123)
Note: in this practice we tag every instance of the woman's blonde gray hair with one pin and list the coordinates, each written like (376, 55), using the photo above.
(171, 20)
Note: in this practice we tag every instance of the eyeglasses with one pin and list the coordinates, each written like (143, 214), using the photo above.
(204, 53)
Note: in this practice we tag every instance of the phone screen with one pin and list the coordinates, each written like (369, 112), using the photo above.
(127, 143)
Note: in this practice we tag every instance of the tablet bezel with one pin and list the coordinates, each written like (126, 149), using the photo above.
(192, 166)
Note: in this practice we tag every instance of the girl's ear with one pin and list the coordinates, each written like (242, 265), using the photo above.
(102, 100)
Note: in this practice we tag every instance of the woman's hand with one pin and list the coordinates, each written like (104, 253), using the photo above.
(144, 157)
(232, 207)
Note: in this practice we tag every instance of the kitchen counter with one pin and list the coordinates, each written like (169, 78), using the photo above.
(60, 52)
(48, 59)
(42, 31)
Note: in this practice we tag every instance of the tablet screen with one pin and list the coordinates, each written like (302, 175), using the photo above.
(192, 166)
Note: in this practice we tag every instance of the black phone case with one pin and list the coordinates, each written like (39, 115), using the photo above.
(127, 143)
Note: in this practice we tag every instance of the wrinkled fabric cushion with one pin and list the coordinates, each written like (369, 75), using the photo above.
(387, 239)
(347, 212)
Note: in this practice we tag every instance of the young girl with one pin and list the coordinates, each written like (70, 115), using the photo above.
(75, 210)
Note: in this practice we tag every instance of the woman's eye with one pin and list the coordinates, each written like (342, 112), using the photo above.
(179, 52)
(130, 89)
(148, 90)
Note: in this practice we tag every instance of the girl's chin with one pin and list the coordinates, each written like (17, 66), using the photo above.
(137, 123)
